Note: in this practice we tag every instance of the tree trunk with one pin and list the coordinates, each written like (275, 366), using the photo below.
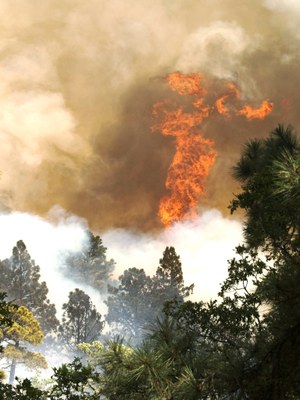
(12, 372)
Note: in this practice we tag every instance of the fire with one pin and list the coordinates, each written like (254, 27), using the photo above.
(251, 113)
(186, 177)
(195, 154)
(232, 91)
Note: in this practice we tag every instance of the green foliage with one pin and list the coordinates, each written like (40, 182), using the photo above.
(129, 304)
(25, 330)
(6, 311)
(139, 299)
(90, 266)
(74, 381)
(20, 278)
(269, 191)
(80, 322)
(23, 390)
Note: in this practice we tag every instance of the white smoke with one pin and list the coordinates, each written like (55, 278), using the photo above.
(48, 243)
(215, 49)
(291, 6)
(204, 245)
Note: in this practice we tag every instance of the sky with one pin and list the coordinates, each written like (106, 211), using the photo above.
(79, 79)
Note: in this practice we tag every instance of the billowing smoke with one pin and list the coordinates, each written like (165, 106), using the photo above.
(79, 79)
(204, 245)
(48, 243)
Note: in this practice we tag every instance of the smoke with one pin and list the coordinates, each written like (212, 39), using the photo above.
(78, 81)
(49, 242)
(204, 245)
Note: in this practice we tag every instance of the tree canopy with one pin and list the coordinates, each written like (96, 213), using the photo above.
(25, 330)
(139, 299)
(20, 278)
(80, 321)
(90, 266)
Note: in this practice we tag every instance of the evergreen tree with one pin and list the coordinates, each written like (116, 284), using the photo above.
(168, 282)
(20, 278)
(6, 320)
(271, 223)
(91, 266)
(129, 304)
(24, 330)
(80, 322)
(139, 299)
(254, 328)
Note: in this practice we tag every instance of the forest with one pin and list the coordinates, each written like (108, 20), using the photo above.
(154, 343)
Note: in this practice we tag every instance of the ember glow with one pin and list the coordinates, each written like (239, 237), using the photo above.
(195, 154)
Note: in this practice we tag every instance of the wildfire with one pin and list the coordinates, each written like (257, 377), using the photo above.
(195, 154)
(251, 113)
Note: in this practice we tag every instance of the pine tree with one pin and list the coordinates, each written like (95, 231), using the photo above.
(81, 323)
(168, 282)
(20, 278)
(139, 299)
(91, 266)
(24, 330)
(129, 304)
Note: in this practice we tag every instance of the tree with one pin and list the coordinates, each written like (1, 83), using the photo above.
(129, 305)
(90, 265)
(24, 330)
(253, 329)
(168, 282)
(139, 299)
(80, 322)
(270, 223)
(75, 381)
(270, 198)
(6, 320)
(23, 390)
(20, 278)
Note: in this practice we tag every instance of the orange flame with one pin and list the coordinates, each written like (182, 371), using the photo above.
(260, 113)
(233, 91)
(195, 154)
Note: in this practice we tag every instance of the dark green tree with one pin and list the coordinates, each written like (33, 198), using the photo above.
(80, 322)
(168, 282)
(90, 266)
(270, 222)
(6, 320)
(139, 299)
(23, 390)
(75, 381)
(20, 278)
(253, 329)
(129, 306)
(270, 199)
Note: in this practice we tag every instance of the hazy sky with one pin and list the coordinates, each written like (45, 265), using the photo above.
(78, 82)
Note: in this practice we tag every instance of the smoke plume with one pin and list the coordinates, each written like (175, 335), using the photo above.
(79, 80)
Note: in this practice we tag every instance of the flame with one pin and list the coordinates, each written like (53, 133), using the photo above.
(260, 113)
(233, 91)
(186, 177)
(195, 154)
